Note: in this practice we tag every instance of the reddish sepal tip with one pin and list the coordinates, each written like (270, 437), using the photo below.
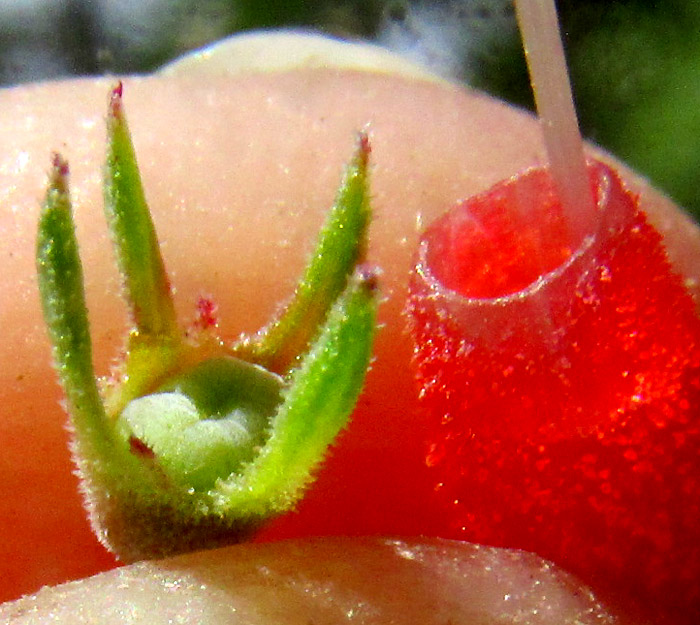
(364, 142)
(115, 99)
(59, 164)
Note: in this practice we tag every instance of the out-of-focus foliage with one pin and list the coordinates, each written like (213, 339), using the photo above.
(635, 63)
(636, 70)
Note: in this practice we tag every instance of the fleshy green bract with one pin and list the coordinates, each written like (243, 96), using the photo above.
(200, 442)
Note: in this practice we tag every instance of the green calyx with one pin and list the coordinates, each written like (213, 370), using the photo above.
(199, 443)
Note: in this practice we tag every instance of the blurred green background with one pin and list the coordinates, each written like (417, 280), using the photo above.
(635, 64)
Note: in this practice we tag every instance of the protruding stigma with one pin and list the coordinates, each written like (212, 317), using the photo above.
(550, 82)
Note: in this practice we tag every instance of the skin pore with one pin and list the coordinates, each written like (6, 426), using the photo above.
(239, 168)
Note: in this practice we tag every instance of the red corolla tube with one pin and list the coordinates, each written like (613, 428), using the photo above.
(558, 359)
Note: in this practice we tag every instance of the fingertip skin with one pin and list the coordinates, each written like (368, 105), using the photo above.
(331, 580)
(267, 149)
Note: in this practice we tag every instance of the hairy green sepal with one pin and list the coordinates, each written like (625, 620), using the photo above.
(199, 443)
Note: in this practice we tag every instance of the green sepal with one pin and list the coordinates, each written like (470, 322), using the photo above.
(62, 292)
(341, 246)
(321, 396)
(138, 253)
(155, 345)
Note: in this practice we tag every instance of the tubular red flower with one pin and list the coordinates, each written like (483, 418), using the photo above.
(563, 403)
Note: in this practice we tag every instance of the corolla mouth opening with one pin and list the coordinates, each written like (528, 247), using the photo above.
(509, 241)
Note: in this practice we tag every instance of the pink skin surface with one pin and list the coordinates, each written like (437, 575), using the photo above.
(239, 172)
(330, 580)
